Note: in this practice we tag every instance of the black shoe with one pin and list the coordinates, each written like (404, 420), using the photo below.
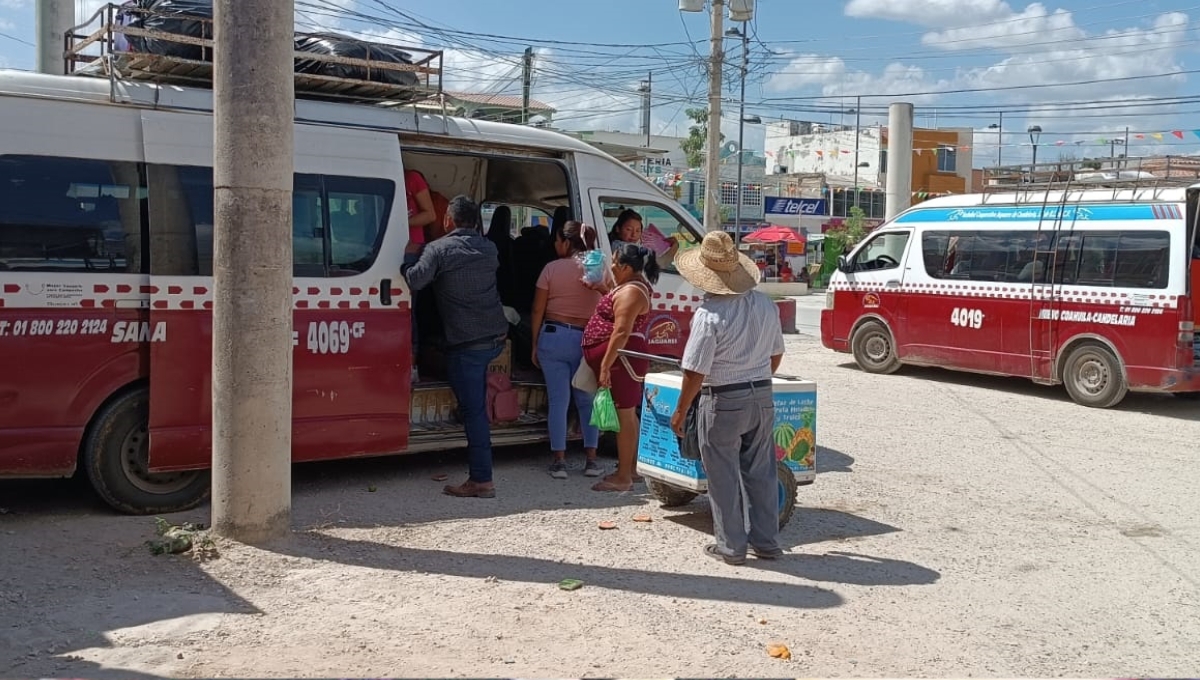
(767, 554)
(712, 551)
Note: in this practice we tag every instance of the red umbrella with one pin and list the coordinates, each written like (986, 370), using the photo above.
(774, 234)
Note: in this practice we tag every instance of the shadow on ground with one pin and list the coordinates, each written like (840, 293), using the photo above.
(319, 546)
(1168, 405)
(72, 578)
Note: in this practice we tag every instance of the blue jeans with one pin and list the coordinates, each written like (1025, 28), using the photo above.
(467, 369)
(560, 351)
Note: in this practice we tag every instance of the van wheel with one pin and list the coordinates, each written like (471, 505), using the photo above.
(1093, 377)
(669, 496)
(116, 456)
(874, 351)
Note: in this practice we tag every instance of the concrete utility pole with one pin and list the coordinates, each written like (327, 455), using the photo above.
(54, 19)
(253, 162)
(900, 153)
(712, 162)
(526, 84)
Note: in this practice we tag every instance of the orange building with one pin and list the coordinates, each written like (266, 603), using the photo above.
(941, 161)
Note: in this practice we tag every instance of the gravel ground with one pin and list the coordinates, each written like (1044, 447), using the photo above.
(960, 525)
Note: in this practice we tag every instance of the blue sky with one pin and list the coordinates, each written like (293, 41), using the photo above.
(810, 60)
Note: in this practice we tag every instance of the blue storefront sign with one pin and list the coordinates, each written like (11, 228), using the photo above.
(776, 205)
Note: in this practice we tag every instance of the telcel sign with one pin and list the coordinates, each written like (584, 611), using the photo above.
(794, 206)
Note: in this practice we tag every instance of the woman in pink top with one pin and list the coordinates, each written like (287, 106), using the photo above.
(562, 305)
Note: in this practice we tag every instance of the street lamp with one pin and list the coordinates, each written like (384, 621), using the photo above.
(1112, 147)
(999, 128)
(857, 121)
(1035, 133)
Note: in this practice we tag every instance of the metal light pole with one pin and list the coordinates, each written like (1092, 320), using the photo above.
(857, 122)
(999, 128)
(1035, 133)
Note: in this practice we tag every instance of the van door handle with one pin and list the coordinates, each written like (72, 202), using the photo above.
(893, 284)
(385, 292)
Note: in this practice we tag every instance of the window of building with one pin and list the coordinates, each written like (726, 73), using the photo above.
(947, 159)
(883, 158)
(337, 222)
(71, 215)
(752, 196)
(729, 194)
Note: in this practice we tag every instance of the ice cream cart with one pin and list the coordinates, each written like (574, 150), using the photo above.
(674, 480)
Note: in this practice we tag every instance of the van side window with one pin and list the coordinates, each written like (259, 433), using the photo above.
(1128, 259)
(662, 226)
(358, 213)
(71, 215)
(883, 251)
(337, 222)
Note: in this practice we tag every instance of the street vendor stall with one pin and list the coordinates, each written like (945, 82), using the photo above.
(780, 252)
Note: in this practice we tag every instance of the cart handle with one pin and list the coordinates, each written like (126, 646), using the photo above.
(625, 354)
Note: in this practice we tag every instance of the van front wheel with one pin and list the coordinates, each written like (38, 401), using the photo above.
(1093, 377)
(116, 457)
(874, 350)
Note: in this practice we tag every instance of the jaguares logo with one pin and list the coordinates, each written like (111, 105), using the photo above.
(663, 331)
(871, 300)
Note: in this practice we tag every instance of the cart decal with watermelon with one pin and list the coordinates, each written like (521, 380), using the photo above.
(674, 480)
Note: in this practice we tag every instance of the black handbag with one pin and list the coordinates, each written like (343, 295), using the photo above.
(689, 444)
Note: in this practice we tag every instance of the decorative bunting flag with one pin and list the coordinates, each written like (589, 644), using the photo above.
(1177, 133)
(1157, 135)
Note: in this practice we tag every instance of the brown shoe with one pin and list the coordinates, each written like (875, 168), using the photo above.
(469, 489)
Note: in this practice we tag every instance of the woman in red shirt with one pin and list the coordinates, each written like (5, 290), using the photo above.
(620, 323)
(421, 213)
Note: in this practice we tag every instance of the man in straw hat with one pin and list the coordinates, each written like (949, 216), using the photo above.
(735, 345)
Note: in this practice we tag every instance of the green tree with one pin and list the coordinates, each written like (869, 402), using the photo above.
(697, 139)
(841, 239)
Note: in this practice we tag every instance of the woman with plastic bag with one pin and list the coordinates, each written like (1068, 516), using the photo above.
(562, 304)
(620, 323)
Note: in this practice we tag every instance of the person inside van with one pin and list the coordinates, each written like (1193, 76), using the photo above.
(421, 213)
(628, 229)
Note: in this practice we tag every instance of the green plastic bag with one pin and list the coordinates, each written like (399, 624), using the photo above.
(604, 412)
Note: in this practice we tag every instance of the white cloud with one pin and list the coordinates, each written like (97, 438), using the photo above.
(13, 4)
(930, 12)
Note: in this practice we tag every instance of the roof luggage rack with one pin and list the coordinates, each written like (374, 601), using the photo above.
(129, 42)
(1140, 178)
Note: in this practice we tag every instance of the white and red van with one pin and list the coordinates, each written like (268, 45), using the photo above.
(1089, 288)
(106, 262)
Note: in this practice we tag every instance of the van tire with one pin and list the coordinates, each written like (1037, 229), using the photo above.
(1094, 377)
(874, 349)
(115, 456)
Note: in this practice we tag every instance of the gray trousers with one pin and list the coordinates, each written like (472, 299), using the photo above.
(738, 452)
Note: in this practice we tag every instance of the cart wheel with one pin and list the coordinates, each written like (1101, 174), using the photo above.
(669, 496)
(787, 492)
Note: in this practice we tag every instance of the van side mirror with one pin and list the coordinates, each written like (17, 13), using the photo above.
(843, 264)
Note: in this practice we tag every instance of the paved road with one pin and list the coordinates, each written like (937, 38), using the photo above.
(960, 526)
(808, 314)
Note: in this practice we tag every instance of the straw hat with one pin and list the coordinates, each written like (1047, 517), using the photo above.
(717, 267)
